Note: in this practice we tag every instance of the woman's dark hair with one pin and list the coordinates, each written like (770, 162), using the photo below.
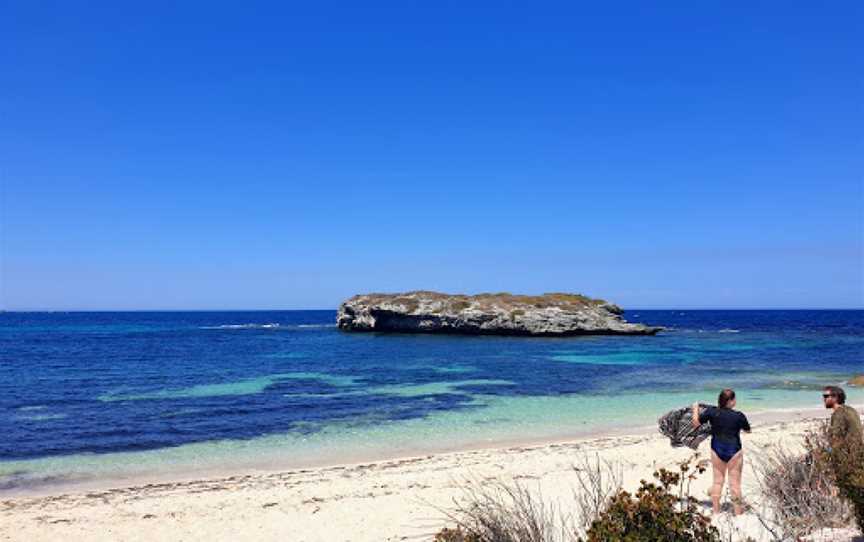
(838, 393)
(724, 398)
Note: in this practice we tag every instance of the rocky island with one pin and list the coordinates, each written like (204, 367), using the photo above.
(554, 314)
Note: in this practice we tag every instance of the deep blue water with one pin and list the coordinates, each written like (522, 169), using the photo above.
(73, 383)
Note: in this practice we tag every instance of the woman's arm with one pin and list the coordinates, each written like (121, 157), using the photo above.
(695, 419)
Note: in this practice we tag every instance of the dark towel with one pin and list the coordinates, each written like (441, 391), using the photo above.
(678, 426)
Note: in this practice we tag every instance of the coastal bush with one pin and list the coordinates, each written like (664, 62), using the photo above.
(855, 495)
(455, 535)
(847, 463)
(659, 512)
(495, 511)
(601, 512)
(800, 489)
(598, 481)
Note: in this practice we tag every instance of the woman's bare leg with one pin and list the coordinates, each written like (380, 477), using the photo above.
(719, 477)
(736, 466)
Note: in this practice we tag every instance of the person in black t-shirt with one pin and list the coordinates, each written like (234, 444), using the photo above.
(726, 453)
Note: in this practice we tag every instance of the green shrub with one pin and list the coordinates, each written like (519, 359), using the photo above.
(659, 512)
(495, 511)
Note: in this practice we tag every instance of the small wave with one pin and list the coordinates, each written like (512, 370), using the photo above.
(244, 326)
(182, 412)
(22, 479)
(729, 331)
(42, 417)
(31, 408)
(268, 326)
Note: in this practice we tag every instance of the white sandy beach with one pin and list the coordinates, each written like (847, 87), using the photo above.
(398, 499)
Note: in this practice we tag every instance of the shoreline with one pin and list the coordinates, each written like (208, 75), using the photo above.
(268, 467)
(385, 500)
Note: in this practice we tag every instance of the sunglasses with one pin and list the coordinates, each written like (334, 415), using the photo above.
(827, 395)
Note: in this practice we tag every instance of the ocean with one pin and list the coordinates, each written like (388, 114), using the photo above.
(91, 397)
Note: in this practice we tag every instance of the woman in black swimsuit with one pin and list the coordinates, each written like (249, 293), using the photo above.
(726, 453)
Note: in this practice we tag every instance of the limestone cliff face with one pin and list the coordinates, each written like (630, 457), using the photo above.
(486, 314)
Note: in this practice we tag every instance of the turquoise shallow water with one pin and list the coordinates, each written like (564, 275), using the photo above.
(114, 395)
(495, 420)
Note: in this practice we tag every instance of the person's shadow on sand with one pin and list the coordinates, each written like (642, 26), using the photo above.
(725, 506)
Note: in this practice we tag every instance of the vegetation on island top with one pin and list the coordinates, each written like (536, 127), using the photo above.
(515, 303)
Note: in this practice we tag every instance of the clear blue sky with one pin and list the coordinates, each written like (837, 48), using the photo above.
(276, 155)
